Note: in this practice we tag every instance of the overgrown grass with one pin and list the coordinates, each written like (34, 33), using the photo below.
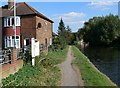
(90, 75)
(45, 73)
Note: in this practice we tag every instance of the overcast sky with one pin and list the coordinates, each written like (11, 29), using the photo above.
(74, 14)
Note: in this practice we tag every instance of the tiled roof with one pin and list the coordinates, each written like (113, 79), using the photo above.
(21, 10)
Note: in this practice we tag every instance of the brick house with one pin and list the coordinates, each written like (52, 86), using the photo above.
(29, 23)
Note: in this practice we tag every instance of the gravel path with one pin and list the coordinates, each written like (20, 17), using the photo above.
(70, 75)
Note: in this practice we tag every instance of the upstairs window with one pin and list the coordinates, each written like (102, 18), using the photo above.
(9, 21)
(5, 22)
(12, 21)
(39, 25)
(17, 21)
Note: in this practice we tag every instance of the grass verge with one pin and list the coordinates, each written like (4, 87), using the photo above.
(90, 74)
(45, 73)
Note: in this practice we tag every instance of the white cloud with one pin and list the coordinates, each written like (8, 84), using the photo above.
(76, 22)
(101, 5)
(70, 17)
(73, 19)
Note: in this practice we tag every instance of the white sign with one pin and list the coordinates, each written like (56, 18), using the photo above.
(34, 50)
(35, 47)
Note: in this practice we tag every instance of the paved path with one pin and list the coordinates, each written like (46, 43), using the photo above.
(70, 76)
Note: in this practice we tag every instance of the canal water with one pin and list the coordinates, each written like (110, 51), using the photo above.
(107, 60)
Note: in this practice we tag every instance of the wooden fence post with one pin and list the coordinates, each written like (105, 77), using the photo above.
(14, 58)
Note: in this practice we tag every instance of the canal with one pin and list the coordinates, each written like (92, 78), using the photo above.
(107, 60)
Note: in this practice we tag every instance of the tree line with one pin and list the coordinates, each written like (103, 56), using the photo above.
(101, 31)
(65, 36)
(97, 31)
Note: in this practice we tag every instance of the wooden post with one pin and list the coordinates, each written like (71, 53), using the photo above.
(14, 58)
(13, 55)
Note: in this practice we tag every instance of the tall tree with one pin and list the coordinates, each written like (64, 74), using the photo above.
(61, 34)
(65, 34)
(61, 28)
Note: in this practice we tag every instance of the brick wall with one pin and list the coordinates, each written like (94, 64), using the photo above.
(45, 32)
(11, 68)
(8, 69)
(27, 27)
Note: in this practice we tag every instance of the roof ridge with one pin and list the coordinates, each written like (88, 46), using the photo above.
(37, 12)
(30, 7)
(28, 10)
(34, 10)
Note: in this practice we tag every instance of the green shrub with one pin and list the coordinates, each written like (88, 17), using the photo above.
(44, 73)
(28, 56)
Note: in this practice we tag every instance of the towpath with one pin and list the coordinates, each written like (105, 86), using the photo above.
(70, 74)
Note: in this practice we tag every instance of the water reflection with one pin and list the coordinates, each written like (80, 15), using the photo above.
(107, 60)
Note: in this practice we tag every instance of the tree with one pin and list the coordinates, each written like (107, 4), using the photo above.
(61, 28)
(65, 35)
(68, 28)
(100, 30)
(69, 36)
(62, 34)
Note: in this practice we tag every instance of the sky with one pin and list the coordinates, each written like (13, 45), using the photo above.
(74, 14)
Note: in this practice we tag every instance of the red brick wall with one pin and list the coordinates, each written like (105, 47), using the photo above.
(43, 32)
(27, 27)
(7, 69)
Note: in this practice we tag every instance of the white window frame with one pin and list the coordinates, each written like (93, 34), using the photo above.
(9, 42)
(18, 42)
(17, 21)
(13, 41)
(10, 21)
(6, 21)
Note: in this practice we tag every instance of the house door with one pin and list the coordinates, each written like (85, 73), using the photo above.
(26, 42)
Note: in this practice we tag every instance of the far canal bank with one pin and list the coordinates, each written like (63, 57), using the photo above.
(106, 59)
(90, 74)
